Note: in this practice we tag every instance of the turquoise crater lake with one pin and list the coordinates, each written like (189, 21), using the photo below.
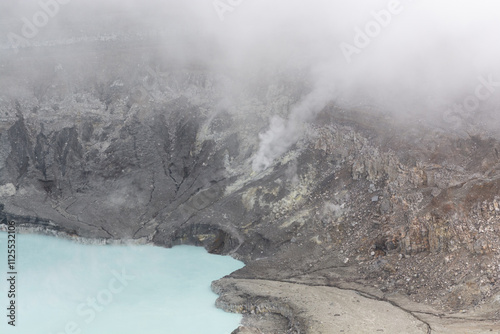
(64, 287)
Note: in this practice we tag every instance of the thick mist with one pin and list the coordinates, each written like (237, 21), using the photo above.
(424, 60)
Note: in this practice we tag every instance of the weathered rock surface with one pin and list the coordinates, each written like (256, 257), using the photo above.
(362, 200)
(316, 309)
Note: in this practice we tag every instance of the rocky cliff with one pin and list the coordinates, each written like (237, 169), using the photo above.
(112, 146)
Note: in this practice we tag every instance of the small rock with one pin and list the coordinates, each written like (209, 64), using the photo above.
(435, 192)
(7, 190)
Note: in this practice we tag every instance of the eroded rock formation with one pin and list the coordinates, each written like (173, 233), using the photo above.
(362, 200)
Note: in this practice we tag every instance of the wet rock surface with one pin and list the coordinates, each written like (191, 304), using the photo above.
(406, 213)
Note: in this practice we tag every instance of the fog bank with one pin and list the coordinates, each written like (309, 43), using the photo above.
(429, 60)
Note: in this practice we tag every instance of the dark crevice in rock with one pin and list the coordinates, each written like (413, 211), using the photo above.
(214, 238)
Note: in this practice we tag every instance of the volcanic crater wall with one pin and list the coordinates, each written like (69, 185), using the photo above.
(360, 196)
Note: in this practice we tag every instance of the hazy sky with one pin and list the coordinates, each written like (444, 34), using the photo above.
(422, 48)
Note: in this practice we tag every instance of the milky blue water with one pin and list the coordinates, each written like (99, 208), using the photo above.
(69, 288)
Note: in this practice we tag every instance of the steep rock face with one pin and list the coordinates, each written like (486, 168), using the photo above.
(361, 197)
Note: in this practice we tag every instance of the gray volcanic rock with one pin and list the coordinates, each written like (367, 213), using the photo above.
(151, 152)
